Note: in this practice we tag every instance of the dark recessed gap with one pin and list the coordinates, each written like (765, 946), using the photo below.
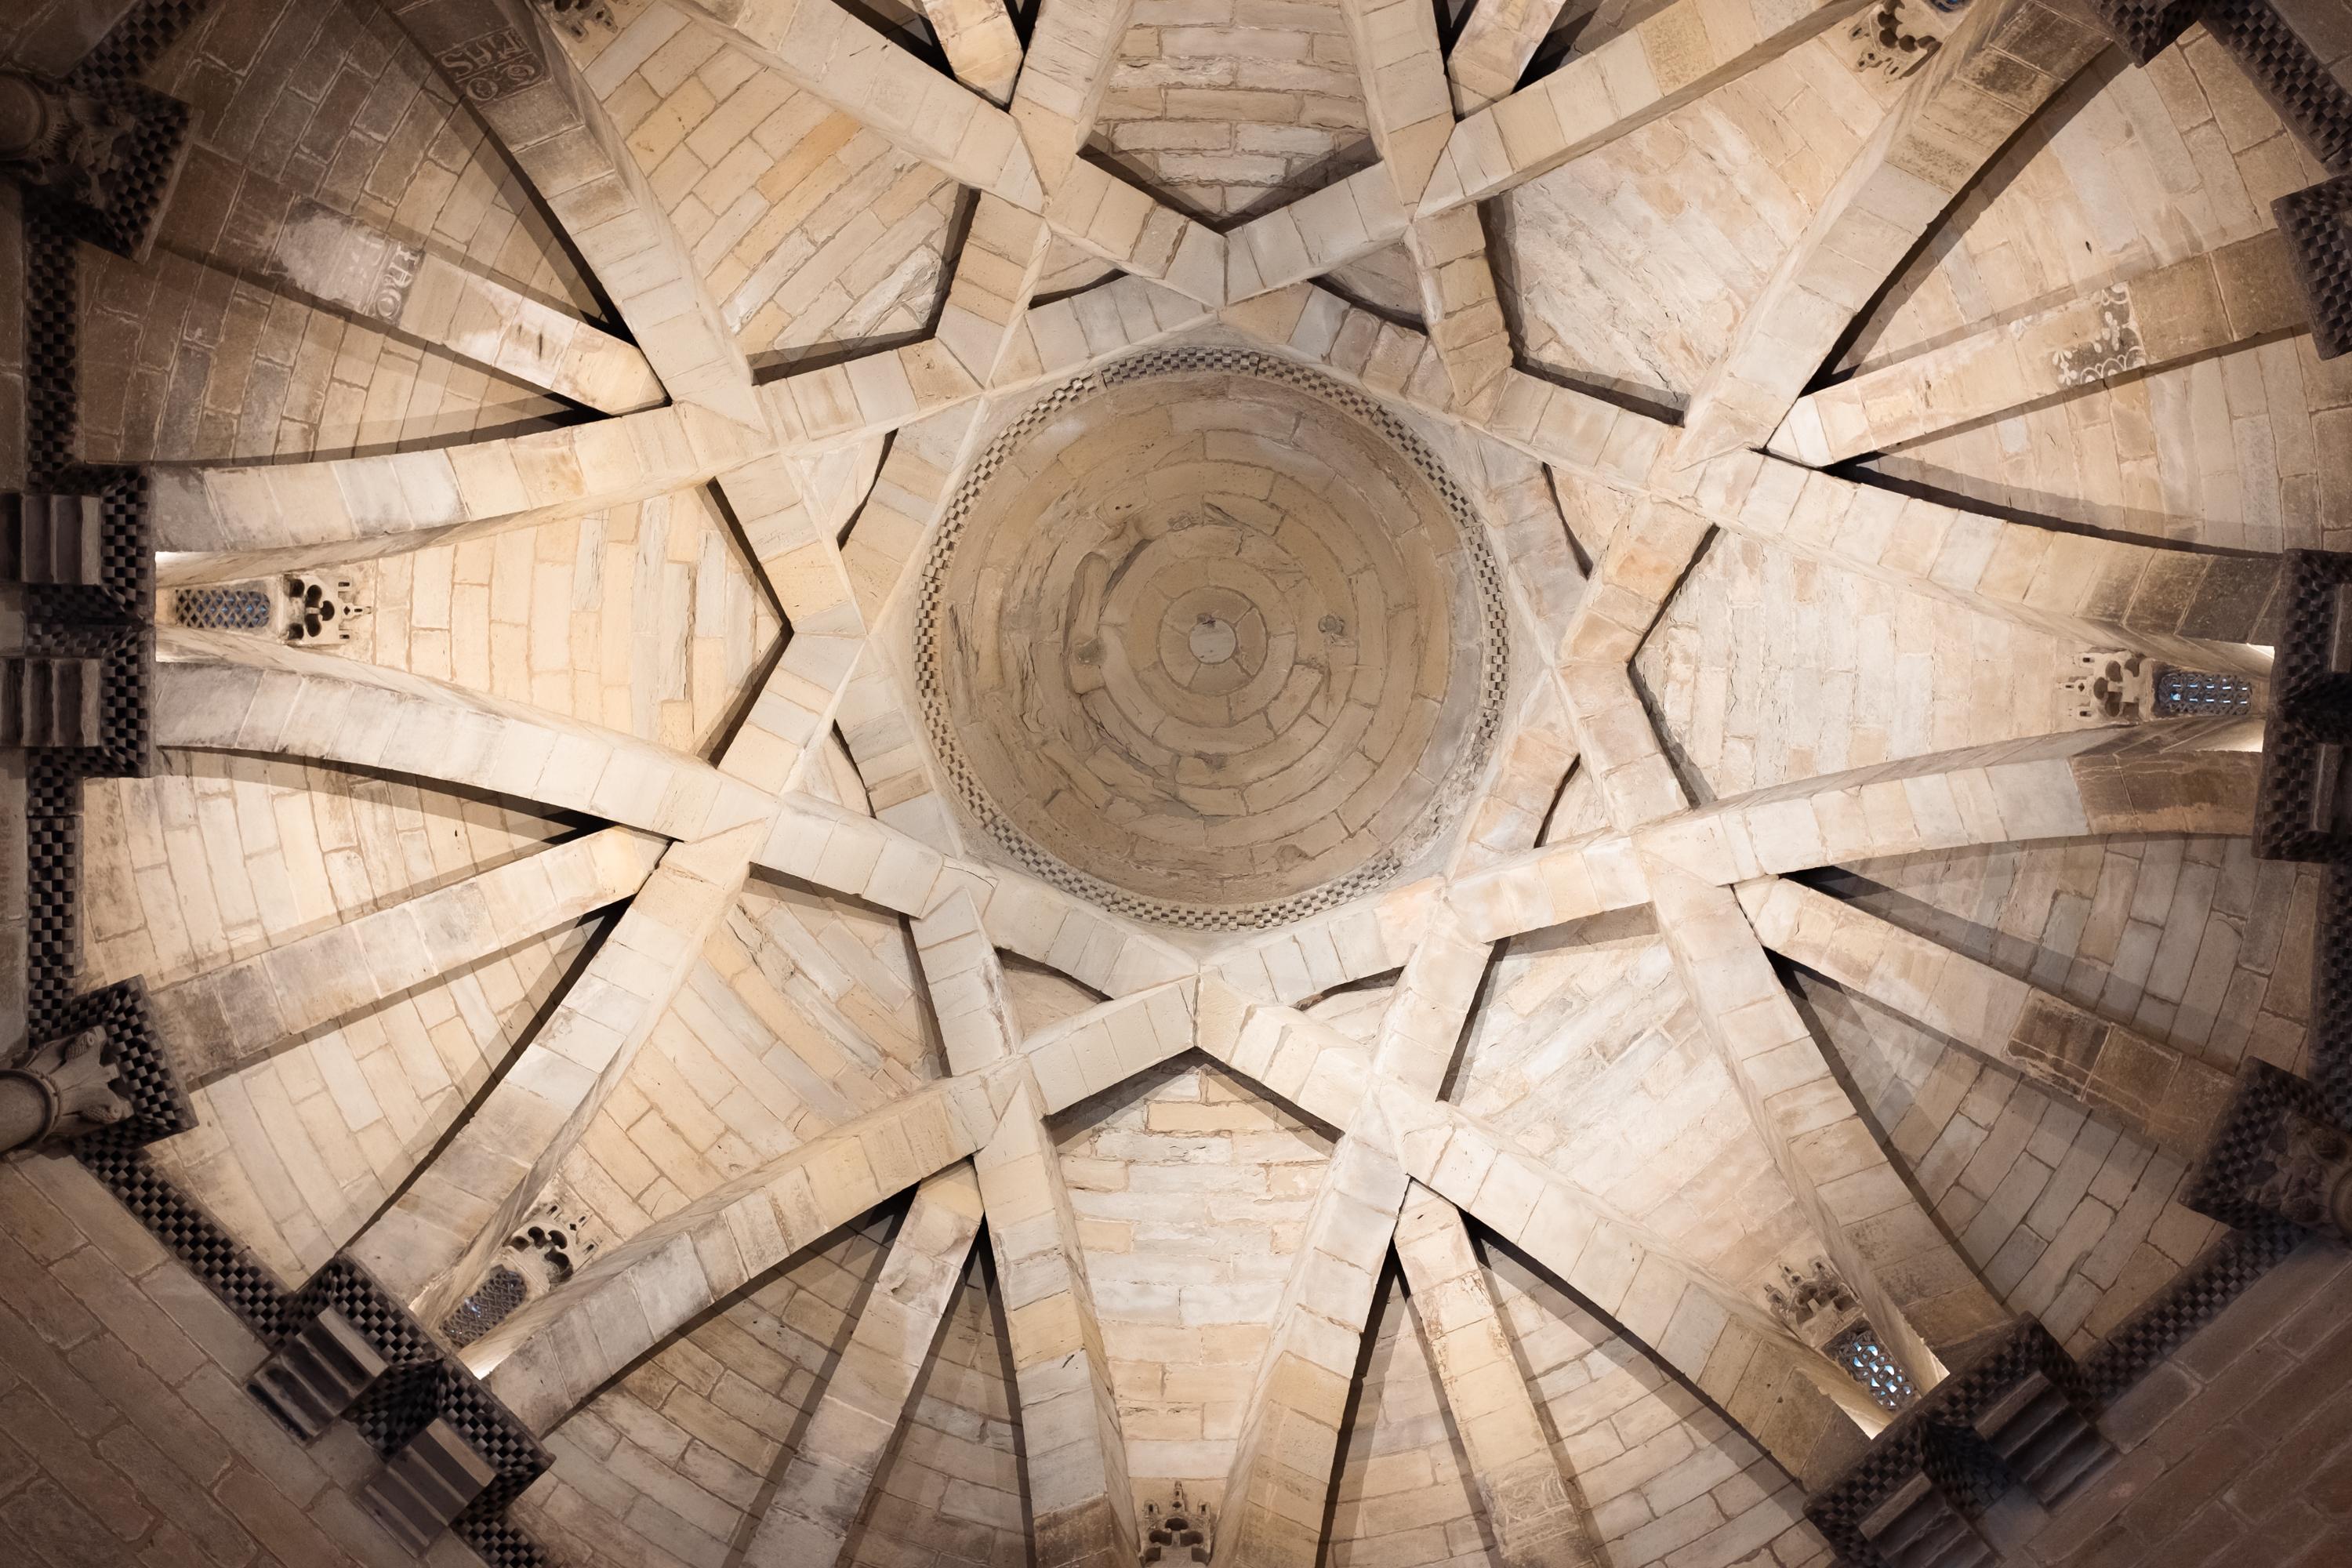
(1015, 963)
(556, 993)
(1329, 283)
(951, 246)
(1493, 1247)
(1787, 971)
(825, 895)
(1346, 987)
(1575, 544)
(570, 412)
(1111, 276)
(1667, 602)
(1686, 772)
(1458, 1059)
(1497, 219)
(1386, 1294)
(1552, 812)
(1134, 171)
(888, 1215)
(1450, 14)
(863, 805)
(882, 460)
(1582, 28)
(1023, 15)
(775, 365)
(755, 681)
(1651, 403)
(904, 27)
(967, 1279)
(992, 1292)
(1333, 166)
(594, 921)
(715, 494)
(1920, 489)
(493, 147)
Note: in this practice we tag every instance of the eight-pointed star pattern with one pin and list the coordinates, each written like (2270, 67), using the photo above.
(838, 522)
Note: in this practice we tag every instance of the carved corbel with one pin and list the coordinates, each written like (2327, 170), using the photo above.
(2017, 1416)
(2277, 1155)
(427, 1484)
(64, 143)
(65, 1088)
(101, 156)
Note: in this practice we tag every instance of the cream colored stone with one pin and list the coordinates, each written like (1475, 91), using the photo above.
(822, 1492)
(1900, 181)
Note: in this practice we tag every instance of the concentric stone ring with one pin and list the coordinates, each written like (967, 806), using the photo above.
(1212, 639)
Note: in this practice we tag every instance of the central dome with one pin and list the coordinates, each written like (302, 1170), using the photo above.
(1212, 639)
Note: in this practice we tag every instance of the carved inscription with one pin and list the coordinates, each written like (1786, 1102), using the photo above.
(493, 65)
(322, 252)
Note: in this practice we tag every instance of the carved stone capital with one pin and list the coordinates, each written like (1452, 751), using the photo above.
(2277, 1156)
(65, 1088)
(99, 154)
(2308, 1178)
(62, 141)
(1816, 1305)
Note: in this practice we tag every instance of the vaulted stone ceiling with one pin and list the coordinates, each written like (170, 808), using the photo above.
(1220, 757)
